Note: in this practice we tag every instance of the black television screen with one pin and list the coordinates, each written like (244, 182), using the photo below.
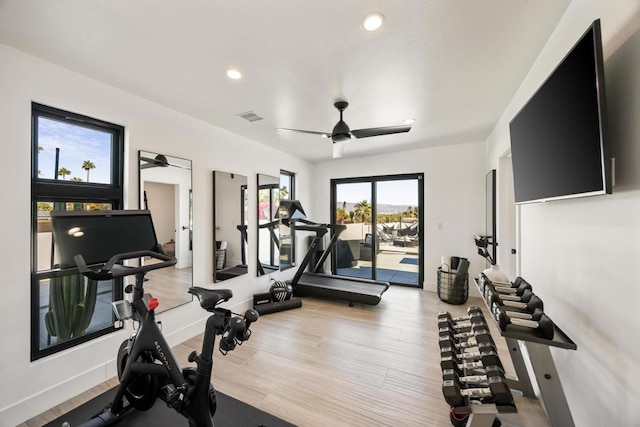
(558, 139)
(98, 235)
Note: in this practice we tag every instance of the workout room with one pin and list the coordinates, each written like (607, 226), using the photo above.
(400, 222)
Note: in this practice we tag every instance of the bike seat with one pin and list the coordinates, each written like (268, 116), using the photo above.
(210, 298)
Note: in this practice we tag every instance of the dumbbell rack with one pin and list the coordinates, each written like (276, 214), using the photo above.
(461, 340)
(551, 394)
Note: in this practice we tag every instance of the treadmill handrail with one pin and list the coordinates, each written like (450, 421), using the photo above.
(320, 230)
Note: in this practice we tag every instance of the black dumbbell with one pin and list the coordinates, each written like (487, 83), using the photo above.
(449, 339)
(544, 324)
(453, 361)
(445, 319)
(524, 297)
(468, 355)
(490, 371)
(471, 310)
(462, 328)
(511, 290)
(515, 284)
(497, 390)
(533, 302)
(514, 313)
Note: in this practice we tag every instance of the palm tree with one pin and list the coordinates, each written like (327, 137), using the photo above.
(284, 192)
(88, 165)
(76, 179)
(64, 172)
(363, 210)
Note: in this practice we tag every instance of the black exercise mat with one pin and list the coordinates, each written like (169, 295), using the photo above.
(230, 413)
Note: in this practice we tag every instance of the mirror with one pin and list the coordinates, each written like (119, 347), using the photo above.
(287, 234)
(165, 190)
(230, 204)
(268, 241)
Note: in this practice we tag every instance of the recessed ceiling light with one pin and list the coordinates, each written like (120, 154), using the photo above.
(372, 22)
(234, 74)
(409, 121)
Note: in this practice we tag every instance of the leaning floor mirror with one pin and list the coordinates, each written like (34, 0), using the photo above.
(165, 190)
(230, 204)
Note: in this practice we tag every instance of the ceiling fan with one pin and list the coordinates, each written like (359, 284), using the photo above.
(341, 132)
(159, 161)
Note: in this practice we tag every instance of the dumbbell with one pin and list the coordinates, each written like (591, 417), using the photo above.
(530, 305)
(461, 328)
(497, 390)
(511, 312)
(449, 339)
(470, 311)
(482, 347)
(524, 297)
(544, 324)
(511, 290)
(474, 314)
(490, 372)
(453, 362)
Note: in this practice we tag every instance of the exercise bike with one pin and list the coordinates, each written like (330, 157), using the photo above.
(147, 369)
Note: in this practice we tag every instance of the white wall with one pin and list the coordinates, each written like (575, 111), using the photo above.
(582, 256)
(36, 386)
(454, 197)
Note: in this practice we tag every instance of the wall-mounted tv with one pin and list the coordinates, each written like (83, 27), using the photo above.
(559, 142)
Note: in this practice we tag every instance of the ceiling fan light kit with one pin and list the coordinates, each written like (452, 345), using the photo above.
(372, 22)
(341, 132)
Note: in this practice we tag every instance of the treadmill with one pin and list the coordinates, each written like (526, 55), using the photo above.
(314, 283)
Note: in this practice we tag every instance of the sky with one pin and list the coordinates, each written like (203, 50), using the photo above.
(76, 144)
(401, 192)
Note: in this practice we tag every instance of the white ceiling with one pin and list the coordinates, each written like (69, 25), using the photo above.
(453, 65)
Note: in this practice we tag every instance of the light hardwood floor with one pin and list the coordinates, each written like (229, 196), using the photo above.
(330, 364)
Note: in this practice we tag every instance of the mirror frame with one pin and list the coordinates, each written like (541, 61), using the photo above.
(242, 268)
(165, 161)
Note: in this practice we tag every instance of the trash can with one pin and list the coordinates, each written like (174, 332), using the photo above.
(453, 287)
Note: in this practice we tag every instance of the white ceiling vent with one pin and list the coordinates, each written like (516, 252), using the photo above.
(250, 116)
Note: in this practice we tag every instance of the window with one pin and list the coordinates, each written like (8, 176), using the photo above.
(77, 164)
(287, 185)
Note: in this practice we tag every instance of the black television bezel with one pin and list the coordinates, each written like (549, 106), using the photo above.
(605, 158)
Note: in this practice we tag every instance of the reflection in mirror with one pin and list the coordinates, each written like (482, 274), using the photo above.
(230, 205)
(268, 241)
(165, 190)
(287, 234)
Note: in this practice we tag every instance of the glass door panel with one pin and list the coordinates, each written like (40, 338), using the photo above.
(397, 231)
(353, 210)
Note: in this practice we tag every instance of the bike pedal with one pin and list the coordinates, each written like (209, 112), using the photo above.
(175, 397)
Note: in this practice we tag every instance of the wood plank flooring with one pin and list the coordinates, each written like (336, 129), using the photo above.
(330, 364)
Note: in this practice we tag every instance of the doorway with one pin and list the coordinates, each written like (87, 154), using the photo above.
(383, 238)
(508, 221)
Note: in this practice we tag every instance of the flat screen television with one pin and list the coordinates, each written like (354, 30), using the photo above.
(559, 143)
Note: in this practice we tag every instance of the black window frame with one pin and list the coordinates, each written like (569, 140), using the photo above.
(292, 180)
(52, 190)
(373, 180)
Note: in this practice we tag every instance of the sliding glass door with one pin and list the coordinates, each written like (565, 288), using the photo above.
(383, 238)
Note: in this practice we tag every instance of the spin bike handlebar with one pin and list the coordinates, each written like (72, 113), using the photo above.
(111, 269)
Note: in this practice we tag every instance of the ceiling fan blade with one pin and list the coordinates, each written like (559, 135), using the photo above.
(388, 130)
(323, 134)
